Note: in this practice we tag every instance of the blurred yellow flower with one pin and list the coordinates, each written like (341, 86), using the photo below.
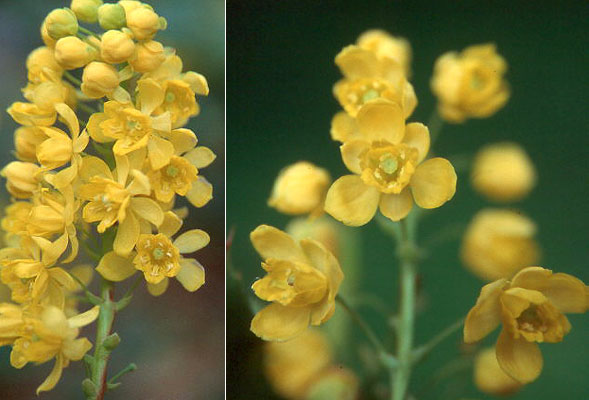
(300, 188)
(22, 179)
(291, 367)
(470, 84)
(531, 309)
(384, 45)
(498, 243)
(334, 383)
(389, 171)
(302, 282)
(42, 66)
(322, 229)
(490, 378)
(503, 172)
(86, 10)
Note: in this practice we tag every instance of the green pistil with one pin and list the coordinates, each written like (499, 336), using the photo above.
(172, 171)
(170, 97)
(158, 253)
(369, 95)
(389, 165)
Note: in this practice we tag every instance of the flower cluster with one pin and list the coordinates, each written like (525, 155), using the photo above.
(102, 157)
(386, 155)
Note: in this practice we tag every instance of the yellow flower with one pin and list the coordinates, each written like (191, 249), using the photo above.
(86, 10)
(302, 282)
(291, 367)
(159, 258)
(322, 229)
(143, 22)
(335, 382)
(367, 77)
(111, 16)
(60, 23)
(26, 140)
(71, 52)
(490, 378)
(148, 56)
(180, 89)
(42, 66)
(503, 172)
(118, 197)
(385, 45)
(388, 170)
(11, 323)
(470, 84)
(53, 336)
(531, 309)
(99, 79)
(22, 179)
(498, 243)
(300, 188)
(116, 47)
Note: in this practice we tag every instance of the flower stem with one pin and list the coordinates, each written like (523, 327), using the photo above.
(424, 350)
(385, 357)
(435, 125)
(72, 78)
(408, 270)
(103, 328)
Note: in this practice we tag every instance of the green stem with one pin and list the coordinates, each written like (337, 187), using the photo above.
(87, 109)
(88, 32)
(103, 328)
(388, 359)
(408, 269)
(435, 125)
(424, 350)
(72, 78)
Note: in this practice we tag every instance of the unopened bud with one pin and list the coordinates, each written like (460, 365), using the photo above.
(99, 79)
(111, 16)
(72, 53)
(116, 47)
(21, 178)
(148, 56)
(61, 22)
(86, 10)
(143, 22)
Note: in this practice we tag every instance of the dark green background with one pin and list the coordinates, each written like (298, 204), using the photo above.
(280, 73)
(176, 339)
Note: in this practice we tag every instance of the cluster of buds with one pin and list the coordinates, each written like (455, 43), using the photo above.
(102, 157)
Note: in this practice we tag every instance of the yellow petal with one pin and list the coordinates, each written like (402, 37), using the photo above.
(94, 166)
(76, 349)
(191, 274)
(64, 177)
(151, 95)
(520, 359)
(566, 292)
(396, 206)
(485, 316)
(352, 202)
(200, 193)
(69, 116)
(115, 268)
(127, 235)
(200, 157)
(433, 183)
(490, 378)
(157, 289)
(50, 382)
(270, 242)
(183, 140)
(171, 224)
(85, 318)
(147, 209)
(355, 62)
(381, 119)
(343, 127)
(191, 241)
(351, 154)
(120, 95)
(94, 128)
(140, 183)
(279, 323)
(417, 136)
(159, 152)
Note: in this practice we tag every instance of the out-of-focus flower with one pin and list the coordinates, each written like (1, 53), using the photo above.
(22, 179)
(300, 188)
(531, 308)
(86, 10)
(503, 172)
(490, 378)
(389, 171)
(384, 45)
(111, 16)
(292, 366)
(324, 230)
(302, 282)
(470, 84)
(334, 383)
(498, 243)
(42, 66)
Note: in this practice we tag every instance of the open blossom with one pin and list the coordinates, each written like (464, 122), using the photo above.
(300, 188)
(385, 45)
(470, 84)
(530, 307)
(302, 281)
(386, 159)
(503, 172)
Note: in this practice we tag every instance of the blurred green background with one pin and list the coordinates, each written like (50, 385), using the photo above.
(280, 73)
(177, 339)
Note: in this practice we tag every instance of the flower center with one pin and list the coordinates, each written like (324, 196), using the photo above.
(388, 163)
(158, 253)
(369, 95)
(170, 97)
(172, 171)
(530, 321)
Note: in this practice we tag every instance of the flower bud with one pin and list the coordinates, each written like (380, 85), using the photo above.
(116, 47)
(386, 46)
(55, 151)
(61, 22)
(42, 66)
(26, 140)
(21, 180)
(48, 40)
(490, 378)
(130, 5)
(72, 53)
(111, 16)
(323, 230)
(148, 56)
(498, 243)
(30, 114)
(300, 189)
(503, 172)
(334, 383)
(99, 79)
(86, 10)
(47, 94)
(143, 22)
(44, 220)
